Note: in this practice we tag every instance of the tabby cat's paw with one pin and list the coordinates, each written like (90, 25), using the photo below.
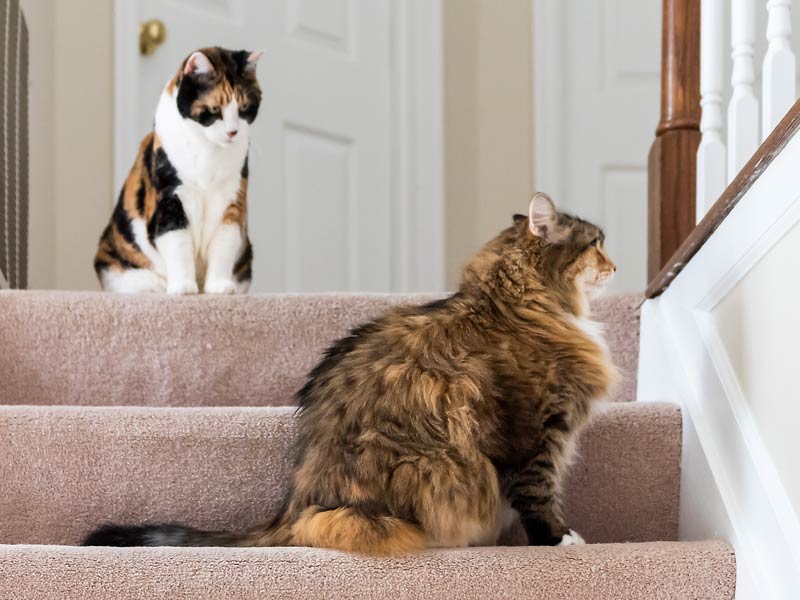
(182, 288)
(220, 286)
(573, 538)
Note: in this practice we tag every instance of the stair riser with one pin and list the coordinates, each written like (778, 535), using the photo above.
(88, 349)
(66, 469)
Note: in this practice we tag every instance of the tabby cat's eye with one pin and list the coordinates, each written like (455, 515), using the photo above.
(594, 242)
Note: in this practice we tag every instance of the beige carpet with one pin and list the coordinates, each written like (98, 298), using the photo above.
(96, 349)
(109, 415)
(66, 469)
(654, 571)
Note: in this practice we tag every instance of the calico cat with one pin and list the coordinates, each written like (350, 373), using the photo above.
(421, 428)
(180, 224)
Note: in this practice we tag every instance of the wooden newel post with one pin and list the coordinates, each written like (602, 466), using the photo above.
(672, 167)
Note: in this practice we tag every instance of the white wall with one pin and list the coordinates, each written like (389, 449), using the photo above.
(759, 324)
(39, 16)
(71, 96)
(488, 122)
(83, 136)
(722, 341)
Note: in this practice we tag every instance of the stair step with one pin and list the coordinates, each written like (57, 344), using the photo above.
(91, 349)
(646, 571)
(66, 469)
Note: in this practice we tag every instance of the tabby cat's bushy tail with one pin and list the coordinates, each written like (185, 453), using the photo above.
(360, 529)
(171, 534)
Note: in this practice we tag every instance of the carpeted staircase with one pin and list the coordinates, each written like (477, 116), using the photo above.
(128, 409)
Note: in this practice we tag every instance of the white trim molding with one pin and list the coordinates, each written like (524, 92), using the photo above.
(417, 96)
(548, 94)
(683, 358)
(126, 87)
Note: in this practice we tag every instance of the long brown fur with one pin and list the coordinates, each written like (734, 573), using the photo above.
(417, 427)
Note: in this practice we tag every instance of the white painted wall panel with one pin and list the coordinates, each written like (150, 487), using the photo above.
(759, 324)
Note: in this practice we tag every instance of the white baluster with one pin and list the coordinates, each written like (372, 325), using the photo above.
(743, 108)
(711, 153)
(779, 66)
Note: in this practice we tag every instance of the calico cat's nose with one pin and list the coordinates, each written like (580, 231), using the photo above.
(232, 134)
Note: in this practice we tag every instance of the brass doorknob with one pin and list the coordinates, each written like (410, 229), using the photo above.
(152, 34)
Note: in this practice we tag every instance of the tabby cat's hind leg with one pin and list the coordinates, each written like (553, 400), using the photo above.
(133, 281)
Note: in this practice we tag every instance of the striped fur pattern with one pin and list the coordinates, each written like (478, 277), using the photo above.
(423, 428)
(180, 223)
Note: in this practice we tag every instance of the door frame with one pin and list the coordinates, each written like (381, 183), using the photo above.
(548, 68)
(416, 133)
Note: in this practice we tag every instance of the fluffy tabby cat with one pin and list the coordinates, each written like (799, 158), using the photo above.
(419, 429)
(180, 224)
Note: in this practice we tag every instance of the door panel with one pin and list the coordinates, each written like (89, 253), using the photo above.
(604, 60)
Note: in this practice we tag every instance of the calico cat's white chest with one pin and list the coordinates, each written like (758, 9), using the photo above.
(210, 176)
(204, 208)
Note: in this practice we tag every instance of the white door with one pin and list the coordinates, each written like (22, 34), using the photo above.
(323, 149)
(597, 79)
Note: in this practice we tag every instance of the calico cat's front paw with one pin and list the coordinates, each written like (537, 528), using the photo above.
(573, 538)
(220, 286)
(182, 288)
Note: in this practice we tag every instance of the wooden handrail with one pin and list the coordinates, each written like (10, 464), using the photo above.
(672, 165)
(765, 154)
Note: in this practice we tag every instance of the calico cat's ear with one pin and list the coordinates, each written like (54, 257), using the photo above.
(198, 64)
(543, 217)
(252, 62)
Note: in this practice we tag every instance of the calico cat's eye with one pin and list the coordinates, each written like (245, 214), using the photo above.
(245, 107)
(214, 110)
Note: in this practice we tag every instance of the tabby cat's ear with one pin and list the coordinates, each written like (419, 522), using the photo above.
(543, 217)
(198, 64)
(252, 62)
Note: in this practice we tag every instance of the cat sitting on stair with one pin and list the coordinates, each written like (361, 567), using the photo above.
(180, 224)
(424, 427)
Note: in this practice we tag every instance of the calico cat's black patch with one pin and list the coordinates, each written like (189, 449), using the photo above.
(123, 223)
(169, 216)
(190, 89)
(243, 269)
(140, 197)
(166, 177)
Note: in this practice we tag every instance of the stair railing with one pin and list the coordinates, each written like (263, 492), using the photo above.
(690, 165)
